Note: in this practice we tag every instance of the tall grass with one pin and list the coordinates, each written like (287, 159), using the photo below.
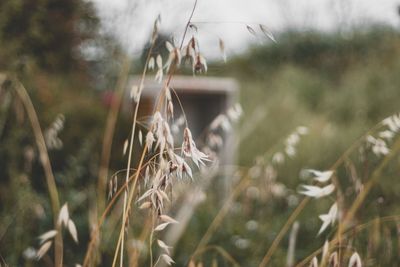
(155, 214)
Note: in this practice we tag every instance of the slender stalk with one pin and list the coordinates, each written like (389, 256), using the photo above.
(361, 197)
(45, 160)
(304, 202)
(221, 214)
(127, 203)
(131, 148)
(109, 133)
(151, 238)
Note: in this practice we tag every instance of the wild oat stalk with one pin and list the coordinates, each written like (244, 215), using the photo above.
(45, 160)
(128, 200)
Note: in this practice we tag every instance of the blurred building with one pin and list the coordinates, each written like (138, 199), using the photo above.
(202, 99)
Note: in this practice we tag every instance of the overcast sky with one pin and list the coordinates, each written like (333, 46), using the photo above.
(131, 21)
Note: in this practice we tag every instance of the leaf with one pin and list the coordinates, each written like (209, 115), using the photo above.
(72, 230)
(43, 250)
(267, 33)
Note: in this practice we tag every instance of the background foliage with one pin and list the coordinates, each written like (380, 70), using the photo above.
(337, 84)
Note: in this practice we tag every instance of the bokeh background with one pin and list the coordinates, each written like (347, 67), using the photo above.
(334, 68)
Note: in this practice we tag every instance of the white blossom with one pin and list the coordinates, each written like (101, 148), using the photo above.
(321, 176)
(317, 192)
(329, 218)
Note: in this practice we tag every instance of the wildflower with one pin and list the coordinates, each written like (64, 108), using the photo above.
(317, 192)
(328, 218)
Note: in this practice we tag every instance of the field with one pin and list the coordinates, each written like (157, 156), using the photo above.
(315, 176)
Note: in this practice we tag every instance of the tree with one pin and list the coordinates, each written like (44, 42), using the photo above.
(48, 32)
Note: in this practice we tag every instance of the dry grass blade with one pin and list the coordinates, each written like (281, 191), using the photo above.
(125, 147)
(63, 217)
(355, 260)
(45, 160)
(162, 245)
(222, 49)
(48, 235)
(264, 29)
(72, 230)
(145, 205)
(168, 219)
(167, 259)
(251, 30)
(161, 226)
(43, 249)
